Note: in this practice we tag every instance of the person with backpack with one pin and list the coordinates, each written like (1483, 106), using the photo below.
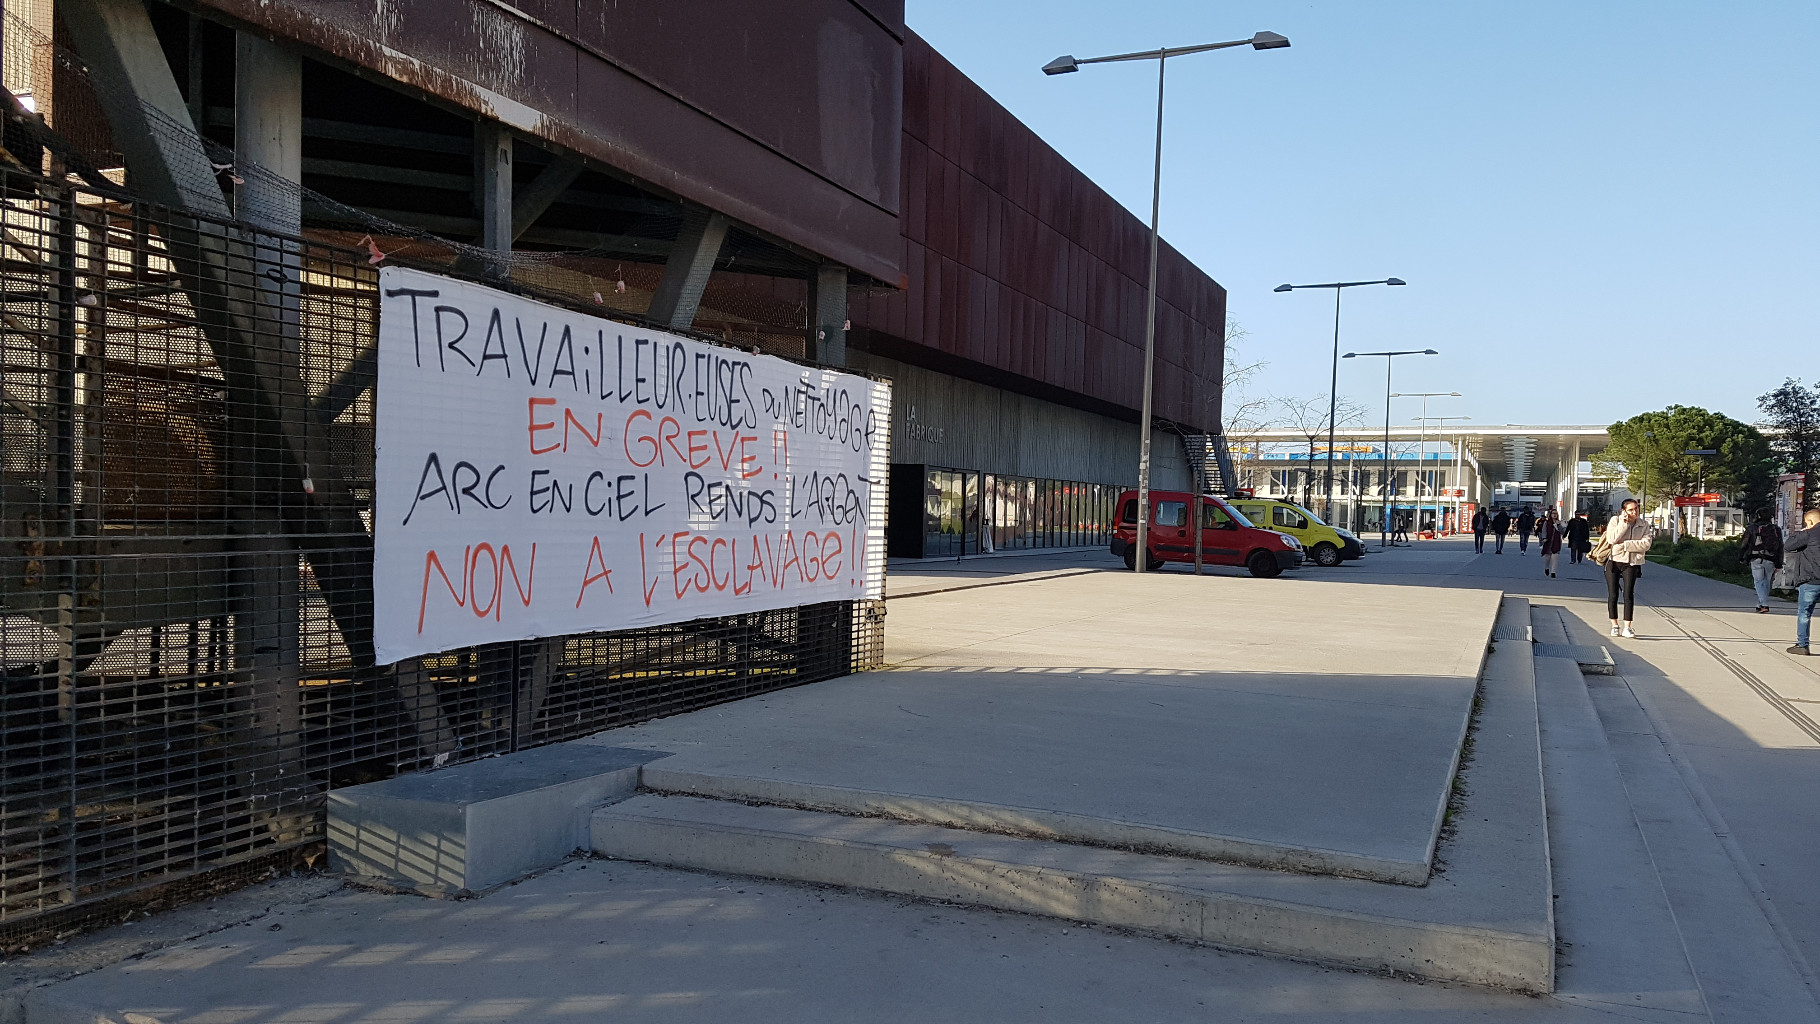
(1803, 551)
(1500, 525)
(1526, 525)
(1480, 522)
(1762, 549)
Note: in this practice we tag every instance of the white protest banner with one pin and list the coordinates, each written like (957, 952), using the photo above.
(544, 472)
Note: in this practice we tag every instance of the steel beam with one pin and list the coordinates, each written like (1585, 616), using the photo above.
(828, 307)
(691, 263)
(549, 185)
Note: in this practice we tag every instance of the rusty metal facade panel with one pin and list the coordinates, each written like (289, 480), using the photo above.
(1018, 263)
(785, 117)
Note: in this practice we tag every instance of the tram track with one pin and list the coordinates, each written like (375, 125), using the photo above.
(1783, 705)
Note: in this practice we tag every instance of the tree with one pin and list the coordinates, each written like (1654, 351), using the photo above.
(1245, 413)
(1308, 417)
(1648, 451)
(1793, 411)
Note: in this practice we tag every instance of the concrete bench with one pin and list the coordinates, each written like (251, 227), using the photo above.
(471, 827)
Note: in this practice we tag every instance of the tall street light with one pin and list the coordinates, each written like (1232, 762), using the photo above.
(1700, 519)
(1389, 357)
(1456, 464)
(1333, 386)
(1422, 440)
(1064, 65)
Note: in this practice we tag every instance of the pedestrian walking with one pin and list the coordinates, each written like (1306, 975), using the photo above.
(1526, 525)
(1500, 525)
(1762, 549)
(1802, 550)
(1579, 537)
(1548, 538)
(1627, 539)
(1480, 521)
(1401, 533)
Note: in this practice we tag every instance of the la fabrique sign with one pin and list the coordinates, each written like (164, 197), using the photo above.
(543, 472)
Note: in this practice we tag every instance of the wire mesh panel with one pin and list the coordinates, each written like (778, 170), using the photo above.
(186, 485)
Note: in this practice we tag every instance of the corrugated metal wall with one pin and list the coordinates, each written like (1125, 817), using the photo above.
(1017, 262)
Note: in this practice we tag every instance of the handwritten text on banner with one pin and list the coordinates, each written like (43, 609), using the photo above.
(543, 472)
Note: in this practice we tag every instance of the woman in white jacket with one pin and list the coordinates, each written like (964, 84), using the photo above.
(1630, 538)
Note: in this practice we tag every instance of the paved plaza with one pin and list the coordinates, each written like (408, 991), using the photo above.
(1304, 713)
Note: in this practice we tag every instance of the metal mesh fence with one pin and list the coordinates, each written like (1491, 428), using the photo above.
(185, 632)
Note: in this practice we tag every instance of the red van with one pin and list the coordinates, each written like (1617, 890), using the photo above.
(1227, 538)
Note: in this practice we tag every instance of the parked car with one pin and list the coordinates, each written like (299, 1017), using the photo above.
(1227, 537)
(1326, 545)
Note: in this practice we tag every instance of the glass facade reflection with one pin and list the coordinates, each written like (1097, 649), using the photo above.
(965, 512)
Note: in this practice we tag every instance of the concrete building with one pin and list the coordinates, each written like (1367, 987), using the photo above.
(813, 181)
(1436, 477)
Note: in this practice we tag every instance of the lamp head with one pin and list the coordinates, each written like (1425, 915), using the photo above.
(1284, 288)
(1061, 65)
(1430, 352)
(1349, 355)
(1396, 280)
(1268, 41)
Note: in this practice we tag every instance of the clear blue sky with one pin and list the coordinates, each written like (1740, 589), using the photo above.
(1600, 208)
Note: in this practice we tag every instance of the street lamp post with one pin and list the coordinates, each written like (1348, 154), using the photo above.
(1422, 441)
(1700, 529)
(1389, 357)
(1064, 65)
(1333, 386)
(1456, 465)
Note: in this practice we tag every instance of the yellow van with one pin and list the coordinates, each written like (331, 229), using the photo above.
(1326, 545)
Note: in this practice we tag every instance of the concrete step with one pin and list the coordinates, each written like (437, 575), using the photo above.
(1032, 823)
(1619, 939)
(1485, 916)
(1350, 922)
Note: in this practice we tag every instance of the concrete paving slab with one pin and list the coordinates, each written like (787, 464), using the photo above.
(1080, 711)
(605, 940)
(1485, 917)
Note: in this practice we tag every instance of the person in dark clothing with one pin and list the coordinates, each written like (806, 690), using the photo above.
(1801, 550)
(1762, 549)
(1480, 521)
(1548, 539)
(1579, 537)
(1500, 525)
(1526, 525)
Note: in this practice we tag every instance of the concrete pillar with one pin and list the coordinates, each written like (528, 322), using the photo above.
(1573, 494)
(268, 133)
(691, 263)
(268, 152)
(493, 177)
(828, 312)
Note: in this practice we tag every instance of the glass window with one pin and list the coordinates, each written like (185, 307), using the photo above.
(1172, 513)
(942, 514)
(1255, 513)
(1214, 517)
(1288, 518)
(1129, 515)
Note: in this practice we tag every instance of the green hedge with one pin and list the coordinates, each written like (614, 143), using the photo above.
(1714, 559)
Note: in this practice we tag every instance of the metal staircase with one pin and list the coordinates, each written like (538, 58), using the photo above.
(1208, 454)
